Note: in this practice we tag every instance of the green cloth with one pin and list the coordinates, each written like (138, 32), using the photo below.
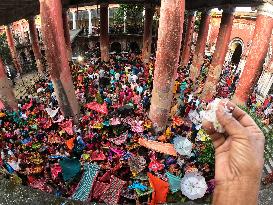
(70, 168)
(83, 190)
(174, 181)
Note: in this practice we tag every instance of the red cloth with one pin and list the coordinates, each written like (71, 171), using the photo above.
(27, 105)
(266, 102)
(55, 170)
(112, 195)
(160, 188)
(67, 126)
(98, 107)
(2, 106)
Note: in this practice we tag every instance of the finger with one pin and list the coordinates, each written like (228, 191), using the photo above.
(217, 138)
(230, 124)
(240, 115)
(208, 127)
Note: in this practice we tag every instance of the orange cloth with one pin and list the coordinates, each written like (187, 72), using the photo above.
(70, 143)
(165, 148)
(161, 189)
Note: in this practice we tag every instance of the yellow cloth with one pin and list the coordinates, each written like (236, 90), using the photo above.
(175, 87)
(168, 132)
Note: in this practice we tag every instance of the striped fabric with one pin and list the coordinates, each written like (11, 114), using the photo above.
(84, 188)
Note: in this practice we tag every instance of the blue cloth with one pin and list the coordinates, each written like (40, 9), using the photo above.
(127, 155)
(174, 181)
(57, 157)
(112, 71)
(183, 86)
(137, 185)
(9, 168)
(106, 123)
(108, 101)
(70, 168)
(27, 140)
(140, 89)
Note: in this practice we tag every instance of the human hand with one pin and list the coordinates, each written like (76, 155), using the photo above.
(238, 152)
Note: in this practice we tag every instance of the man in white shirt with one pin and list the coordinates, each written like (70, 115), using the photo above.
(134, 78)
(117, 76)
(101, 73)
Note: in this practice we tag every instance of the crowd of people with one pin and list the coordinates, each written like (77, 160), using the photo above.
(264, 110)
(112, 154)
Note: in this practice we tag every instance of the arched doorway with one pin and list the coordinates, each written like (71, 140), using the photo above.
(23, 58)
(116, 47)
(134, 47)
(236, 56)
(32, 57)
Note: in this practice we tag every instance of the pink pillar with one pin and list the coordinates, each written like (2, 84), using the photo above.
(67, 34)
(167, 57)
(257, 54)
(56, 55)
(186, 51)
(147, 36)
(198, 58)
(104, 37)
(6, 92)
(35, 44)
(12, 48)
(219, 55)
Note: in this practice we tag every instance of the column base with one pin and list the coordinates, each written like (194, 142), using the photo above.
(7, 95)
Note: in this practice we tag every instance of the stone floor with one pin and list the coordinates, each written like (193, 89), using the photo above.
(23, 84)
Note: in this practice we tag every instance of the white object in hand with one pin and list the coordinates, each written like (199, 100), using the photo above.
(210, 114)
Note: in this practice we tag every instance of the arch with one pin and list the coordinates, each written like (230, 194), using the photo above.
(235, 51)
(134, 47)
(32, 57)
(115, 46)
(236, 56)
(23, 58)
(235, 42)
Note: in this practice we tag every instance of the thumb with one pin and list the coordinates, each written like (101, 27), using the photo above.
(229, 123)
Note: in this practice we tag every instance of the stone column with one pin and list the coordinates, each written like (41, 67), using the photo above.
(35, 45)
(13, 51)
(147, 36)
(198, 58)
(167, 57)
(67, 34)
(74, 21)
(104, 37)
(186, 51)
(257, 54)
(56, 55)
(6, 92)
(89, 22)
(219, 55)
